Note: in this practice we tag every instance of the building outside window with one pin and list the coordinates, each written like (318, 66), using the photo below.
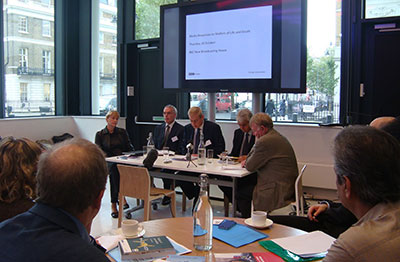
(46, 28)
(29, 65)
(23, 24)
(104, 52)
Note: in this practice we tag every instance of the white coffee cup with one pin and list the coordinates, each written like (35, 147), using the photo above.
(130, 227)
(258, 218)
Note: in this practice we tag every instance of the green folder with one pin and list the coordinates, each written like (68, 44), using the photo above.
(286, 254)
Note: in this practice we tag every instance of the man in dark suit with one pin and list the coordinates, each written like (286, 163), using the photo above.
(71, 181)
(243, 141)
(168, 134)
(213, 139)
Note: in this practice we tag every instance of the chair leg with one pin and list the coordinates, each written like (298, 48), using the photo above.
(146, 210)
(120, 209)
(226, 206)
(172, 206)
(183, 202)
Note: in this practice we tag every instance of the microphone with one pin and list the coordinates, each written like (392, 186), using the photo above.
(151, 157)
(190, 146)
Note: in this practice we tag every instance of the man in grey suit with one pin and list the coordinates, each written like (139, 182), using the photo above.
(273, 158)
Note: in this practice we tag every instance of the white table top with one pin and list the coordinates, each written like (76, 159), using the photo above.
(213, 168)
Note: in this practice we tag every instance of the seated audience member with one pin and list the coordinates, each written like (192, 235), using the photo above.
(18, 162)
(367, 167)
(71, 180)
(113, 141)
(168, 134)
(243, 141)
(329, 217)
(273, 158)
(213, 139)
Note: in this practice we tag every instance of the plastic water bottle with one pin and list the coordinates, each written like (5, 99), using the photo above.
(150, 142)
(203, 218)
(201, 151)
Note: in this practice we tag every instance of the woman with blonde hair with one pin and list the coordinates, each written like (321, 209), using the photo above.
(18, 164)
(113, 141)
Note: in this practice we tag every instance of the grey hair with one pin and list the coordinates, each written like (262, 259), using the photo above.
(244, 115)
(262, 119)
(173, 108)
(369, 158)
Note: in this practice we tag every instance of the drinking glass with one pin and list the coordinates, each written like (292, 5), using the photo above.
(165, 153)
(210, 155)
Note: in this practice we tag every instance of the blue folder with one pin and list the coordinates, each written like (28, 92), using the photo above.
(238, 235)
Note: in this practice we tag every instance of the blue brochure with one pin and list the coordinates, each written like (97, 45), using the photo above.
(238, 235)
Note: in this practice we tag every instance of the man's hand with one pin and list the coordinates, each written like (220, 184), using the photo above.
(243, 163)
(315, 210)
(242, 158)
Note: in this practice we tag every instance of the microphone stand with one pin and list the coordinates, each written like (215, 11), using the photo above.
(189, 157)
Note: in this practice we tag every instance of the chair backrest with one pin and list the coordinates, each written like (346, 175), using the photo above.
(298, 187)
(134, 181)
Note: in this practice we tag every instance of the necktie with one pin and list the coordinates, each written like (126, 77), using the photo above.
(167, 131)
(245, 146)
(196, 140)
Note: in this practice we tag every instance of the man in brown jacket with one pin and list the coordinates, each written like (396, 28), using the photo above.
(273, 158)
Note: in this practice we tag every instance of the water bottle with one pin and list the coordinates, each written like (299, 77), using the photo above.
(203, 218)
(201, 151)
(150, 142)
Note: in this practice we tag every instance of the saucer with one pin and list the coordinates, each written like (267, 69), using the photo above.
(139, 234)
(268, 223)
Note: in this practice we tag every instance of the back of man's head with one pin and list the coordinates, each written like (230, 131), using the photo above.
(262, 119)
(393, 128)
(71, 175)
(370, 158)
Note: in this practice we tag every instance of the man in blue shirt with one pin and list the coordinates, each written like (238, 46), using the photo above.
(71, 181)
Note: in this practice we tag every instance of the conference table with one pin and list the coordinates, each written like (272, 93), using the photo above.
(180, 229)
(218, 171)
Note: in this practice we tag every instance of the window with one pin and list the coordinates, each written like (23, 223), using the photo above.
(23, 24)
(46, 28)
(23, 59)
(46, 92)
(381, 8)
(147, 23)
(227, 105)
(320, 104)
(103, 78)
(30, 63)
(46, 62)
(23, 93)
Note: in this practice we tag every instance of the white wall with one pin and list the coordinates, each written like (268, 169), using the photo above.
(311, 143)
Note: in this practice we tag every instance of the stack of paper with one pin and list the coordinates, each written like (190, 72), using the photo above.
(307, 247)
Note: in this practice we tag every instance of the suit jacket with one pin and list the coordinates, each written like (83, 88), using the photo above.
(237, 142)
(212, 132)
(45, 233)
(174, 139)
(273, 158)
(113, 144)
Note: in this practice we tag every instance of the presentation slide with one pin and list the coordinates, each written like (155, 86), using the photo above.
(231, 44)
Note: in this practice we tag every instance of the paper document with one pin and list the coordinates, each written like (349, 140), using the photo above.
(306, 245)
(229, 167)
